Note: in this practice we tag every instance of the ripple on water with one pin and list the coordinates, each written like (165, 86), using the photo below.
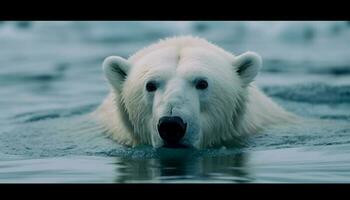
(315, 93)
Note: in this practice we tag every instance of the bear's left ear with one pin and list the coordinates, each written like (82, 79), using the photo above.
(116, 69)
(247, 66)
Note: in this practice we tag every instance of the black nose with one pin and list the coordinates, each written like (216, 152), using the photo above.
(171, 129)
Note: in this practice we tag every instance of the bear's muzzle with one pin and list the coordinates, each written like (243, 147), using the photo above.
(171, 130)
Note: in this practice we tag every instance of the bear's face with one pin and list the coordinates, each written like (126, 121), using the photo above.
(189, 96)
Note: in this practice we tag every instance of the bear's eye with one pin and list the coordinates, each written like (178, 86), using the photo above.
(201, 84)
(151, 86)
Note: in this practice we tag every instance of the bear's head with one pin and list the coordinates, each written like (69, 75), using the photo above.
(182, 92)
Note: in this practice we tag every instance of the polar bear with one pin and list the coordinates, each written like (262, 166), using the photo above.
(185, 92)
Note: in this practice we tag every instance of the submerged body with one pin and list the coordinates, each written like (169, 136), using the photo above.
(185, 91)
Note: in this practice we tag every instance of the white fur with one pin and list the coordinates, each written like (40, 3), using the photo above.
(230, 107)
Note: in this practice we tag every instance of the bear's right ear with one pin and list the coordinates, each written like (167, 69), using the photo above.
(116, 69)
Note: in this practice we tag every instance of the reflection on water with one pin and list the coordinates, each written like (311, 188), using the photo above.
(287, 165)
(183, 164)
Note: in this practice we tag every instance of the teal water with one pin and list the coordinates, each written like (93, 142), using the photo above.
(51, 79)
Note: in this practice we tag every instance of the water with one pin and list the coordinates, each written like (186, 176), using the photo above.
(51, 79)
